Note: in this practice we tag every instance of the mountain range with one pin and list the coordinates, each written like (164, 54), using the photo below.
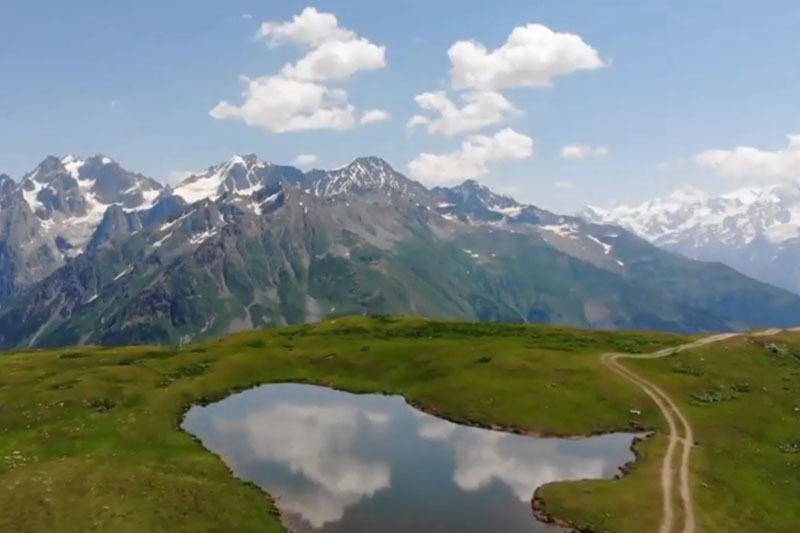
(93, 253)
(756, 230)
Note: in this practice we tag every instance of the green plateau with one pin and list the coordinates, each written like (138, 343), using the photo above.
(90, 438)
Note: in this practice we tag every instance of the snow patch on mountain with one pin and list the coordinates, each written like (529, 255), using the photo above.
(564, 230)
(199, 238)
(606, 247)
(73, 165)
(162, 240)
(30, 192)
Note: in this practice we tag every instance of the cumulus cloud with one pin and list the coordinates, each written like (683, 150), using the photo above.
(336, 60)
(480, 109)
(531, 57)
(582, 151)
(335, 53)
(753, 163)
(310, 27)
(279, 105)
(305, 160)
(472, 159)
(300, 97)
(375, 115)
(316, 443)
(417, 120)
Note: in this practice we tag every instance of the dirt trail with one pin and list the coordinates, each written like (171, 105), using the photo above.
(680, 430)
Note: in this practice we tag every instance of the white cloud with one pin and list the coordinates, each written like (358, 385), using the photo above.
(417, 120)
(316, 443)
(278, 104)
(485, 457)
(471, 160)
(335, 53)
(337, 60)
(749, 162)
(296, 98)
(480, 109)
(564, 185)
(310, 27)
(582, 151)
(375, 115)
(247, 16)
(305, 160)
(531, 57)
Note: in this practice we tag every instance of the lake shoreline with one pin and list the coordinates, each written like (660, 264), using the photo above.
(538, 503)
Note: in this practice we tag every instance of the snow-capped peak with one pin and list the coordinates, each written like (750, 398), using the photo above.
(241, 175)
(363, 173)
(70, 195)
(689, 215)
(756, 230)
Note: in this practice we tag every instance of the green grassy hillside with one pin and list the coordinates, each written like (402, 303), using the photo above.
(89, 437)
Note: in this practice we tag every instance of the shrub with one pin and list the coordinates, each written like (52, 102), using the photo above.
(101, 405)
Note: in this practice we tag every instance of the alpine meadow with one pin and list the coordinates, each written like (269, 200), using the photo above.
(359, 267)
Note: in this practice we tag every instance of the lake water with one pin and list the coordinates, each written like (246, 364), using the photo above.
(364, 463)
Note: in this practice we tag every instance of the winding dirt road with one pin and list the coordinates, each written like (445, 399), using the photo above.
(680, 430)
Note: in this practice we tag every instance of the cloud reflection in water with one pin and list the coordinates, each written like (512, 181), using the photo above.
(317, 442)
(342, 462)
(482, 456)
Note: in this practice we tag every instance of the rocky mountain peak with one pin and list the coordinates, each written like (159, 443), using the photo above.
(472, 191)
(478, 201)
(7, 185)
(363, 174)
(49, 167)
(239, 175)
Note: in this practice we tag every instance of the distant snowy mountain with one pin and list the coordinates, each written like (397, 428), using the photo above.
(755, 230)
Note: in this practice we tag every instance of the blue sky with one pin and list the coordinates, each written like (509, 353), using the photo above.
(137, 80)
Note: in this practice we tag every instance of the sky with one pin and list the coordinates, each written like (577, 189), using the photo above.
(556, 103)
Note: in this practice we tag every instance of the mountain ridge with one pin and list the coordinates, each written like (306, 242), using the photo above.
(267, 244)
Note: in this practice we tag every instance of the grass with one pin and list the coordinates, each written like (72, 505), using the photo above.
(743, 400)
(89, 437)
